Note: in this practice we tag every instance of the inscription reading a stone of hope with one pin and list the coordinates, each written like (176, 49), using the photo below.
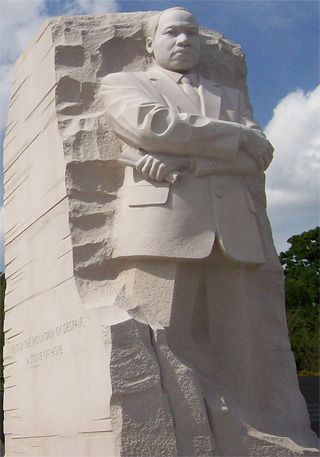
(46, 337)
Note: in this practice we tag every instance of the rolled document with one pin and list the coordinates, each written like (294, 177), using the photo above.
(130, 157)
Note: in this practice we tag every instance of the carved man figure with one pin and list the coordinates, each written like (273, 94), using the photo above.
(192, 223)
(181, 122)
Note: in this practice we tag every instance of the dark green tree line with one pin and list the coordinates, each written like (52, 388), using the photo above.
(301, 264)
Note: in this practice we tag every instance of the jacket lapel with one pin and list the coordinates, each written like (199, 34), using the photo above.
(210, 94)
(171, 92)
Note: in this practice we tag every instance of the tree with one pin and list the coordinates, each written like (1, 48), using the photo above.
(301, 263)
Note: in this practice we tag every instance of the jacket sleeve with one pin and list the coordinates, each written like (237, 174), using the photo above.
(249, 161)
(143, 120)
(242, 165)
(260, 149)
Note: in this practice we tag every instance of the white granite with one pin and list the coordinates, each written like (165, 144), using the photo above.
(109, 353)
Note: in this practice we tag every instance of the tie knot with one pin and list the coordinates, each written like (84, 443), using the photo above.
(190, 79)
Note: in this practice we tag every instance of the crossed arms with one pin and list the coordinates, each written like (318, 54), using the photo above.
(171, 140)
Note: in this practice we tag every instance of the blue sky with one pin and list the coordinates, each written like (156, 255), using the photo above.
(281, 43)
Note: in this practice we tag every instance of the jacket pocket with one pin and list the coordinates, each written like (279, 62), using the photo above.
(148, 194)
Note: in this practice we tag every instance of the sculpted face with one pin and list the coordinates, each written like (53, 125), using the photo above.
(176, 44)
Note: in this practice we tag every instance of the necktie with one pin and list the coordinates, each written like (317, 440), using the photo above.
(190, 90)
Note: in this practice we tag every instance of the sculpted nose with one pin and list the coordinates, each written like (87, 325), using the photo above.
(182, 39)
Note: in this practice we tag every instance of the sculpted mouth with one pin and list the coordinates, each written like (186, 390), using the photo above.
(183, 52)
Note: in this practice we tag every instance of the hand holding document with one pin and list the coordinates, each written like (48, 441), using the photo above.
(130, 157)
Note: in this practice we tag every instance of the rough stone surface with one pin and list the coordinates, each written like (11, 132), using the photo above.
(85, 375)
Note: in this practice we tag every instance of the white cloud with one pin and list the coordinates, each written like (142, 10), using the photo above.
(92, 6)
(293, 177)
(20, 19)
(6, 71)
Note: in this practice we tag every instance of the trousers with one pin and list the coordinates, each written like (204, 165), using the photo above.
(227, 322)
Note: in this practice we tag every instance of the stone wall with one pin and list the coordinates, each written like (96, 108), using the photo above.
(63, 331)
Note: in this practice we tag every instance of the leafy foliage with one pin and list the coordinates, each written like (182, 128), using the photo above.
(303, 326)
(301, 264)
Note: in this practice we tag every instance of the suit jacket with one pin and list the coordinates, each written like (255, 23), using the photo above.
(152, 113)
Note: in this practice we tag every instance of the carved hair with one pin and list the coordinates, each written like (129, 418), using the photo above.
(151, 25)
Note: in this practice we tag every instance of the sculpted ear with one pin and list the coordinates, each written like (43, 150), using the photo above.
(149, 45)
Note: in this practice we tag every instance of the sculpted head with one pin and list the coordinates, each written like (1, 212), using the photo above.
(173, 39)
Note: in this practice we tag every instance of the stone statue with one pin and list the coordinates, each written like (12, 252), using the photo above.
(209, 132)
(144, 309)
(196, 234)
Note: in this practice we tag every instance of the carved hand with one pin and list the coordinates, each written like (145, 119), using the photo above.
(159, 166)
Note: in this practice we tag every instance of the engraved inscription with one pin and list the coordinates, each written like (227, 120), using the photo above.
(35, 359)
(52, 349)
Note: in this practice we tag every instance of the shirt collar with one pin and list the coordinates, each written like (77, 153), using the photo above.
(176, 77)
